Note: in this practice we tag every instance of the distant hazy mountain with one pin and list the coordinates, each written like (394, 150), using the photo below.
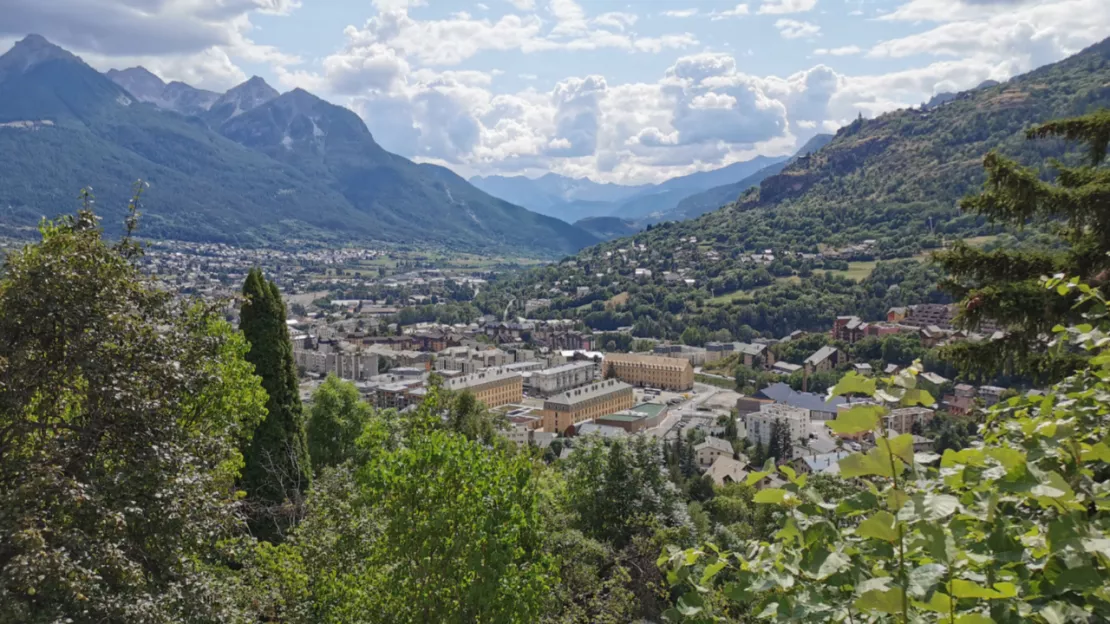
(607, 228)
(712, 199)
(175, 96)
(652, 204)
(575, 199)
(558, 196)
(254, 167)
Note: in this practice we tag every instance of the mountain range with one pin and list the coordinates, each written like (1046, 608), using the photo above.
(573, 199)
(249, 166)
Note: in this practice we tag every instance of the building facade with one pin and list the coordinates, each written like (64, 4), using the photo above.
(493, 387)
(551, 381)
(667, 373)
(759, 423)
(573, 406)
(353, 366)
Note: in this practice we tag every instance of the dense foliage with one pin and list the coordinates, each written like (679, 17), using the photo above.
(121, 414)
(1012, 529)
(1003, 284)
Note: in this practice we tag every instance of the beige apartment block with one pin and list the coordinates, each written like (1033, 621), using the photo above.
(655, 371)
(585, 403)
(493, 386)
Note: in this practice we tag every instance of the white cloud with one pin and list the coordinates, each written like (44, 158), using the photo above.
(780, 7)
(523, 5)
(841, 51)
(616, 20)
(680, 13)
(736, 11)
(181, 40)
(794, 29)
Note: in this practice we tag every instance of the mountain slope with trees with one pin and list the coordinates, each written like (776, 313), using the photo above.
(64, 126)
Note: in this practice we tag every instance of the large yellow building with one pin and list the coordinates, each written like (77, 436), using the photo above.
(493, 386)
(592, 401)
(650, 370)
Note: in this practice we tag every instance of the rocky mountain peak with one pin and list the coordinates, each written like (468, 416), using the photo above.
(30, 51)
(139, 81)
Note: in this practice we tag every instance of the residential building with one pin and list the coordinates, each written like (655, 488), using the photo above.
(850, 329)
(549, 381)
(355, 366)
(667, 373)
(991, 394)
(817, 406)
(902, 420)
(822, 463)
(493, 387)
(708, 451)
(697, 355)
(759, 423)
(825, 359)
(574, 406)
(727, 470)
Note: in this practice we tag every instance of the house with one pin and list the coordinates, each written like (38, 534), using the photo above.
(712, 448)
(823, 463)
(824, 359)
(991, 394)
(785, 368)
(727, 470)
(850, 329)
(862, 369)
(903, 419)
(816, 405)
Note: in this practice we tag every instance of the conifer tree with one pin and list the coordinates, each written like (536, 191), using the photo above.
(1003, 285)
(277, 471)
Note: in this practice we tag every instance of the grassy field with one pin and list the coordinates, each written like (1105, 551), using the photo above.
(736, 295)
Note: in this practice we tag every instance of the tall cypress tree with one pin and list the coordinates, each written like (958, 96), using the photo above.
(277, 471)
(1003, 285)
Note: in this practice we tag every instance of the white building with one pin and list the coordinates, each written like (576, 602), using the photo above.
(712, 448)
(550, 381)
(759, 423)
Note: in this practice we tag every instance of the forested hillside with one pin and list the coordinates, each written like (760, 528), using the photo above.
(817, 240)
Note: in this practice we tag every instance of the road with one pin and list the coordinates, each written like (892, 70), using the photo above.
(703, 393)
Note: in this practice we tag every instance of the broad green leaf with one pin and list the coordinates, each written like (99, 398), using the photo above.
(974, 618)
(876, 462)
(966, 589)
(923, 578)
(883, 601)
(854, 383)
(938, 506)
(690, 604)
(857, 419)
(1097, 452)
(917, 396)
(789, 532)
(774, 496)
(938, 602)
(711, 570)
(1009, 458)
(899, 446)
(881, 526)
(896, 499)
(832, 564)
(756, 477)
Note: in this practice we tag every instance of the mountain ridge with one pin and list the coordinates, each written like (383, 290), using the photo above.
(66, 126)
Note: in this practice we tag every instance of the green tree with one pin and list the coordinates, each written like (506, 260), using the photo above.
(1002, 285)
(457, 534)
(121, 413)
(618, 490)
(336, 419)
(278, 470)
(469, 417)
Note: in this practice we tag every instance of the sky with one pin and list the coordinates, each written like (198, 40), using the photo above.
(616, 91)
